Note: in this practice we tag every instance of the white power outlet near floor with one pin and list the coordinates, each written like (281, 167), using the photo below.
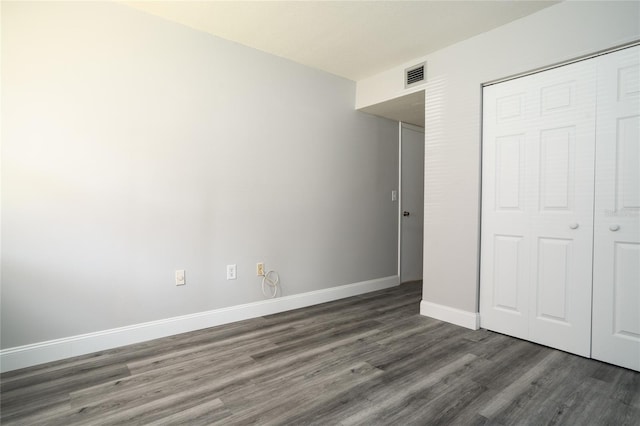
(231, 272)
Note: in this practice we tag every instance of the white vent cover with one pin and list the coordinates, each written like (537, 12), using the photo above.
(414, 75)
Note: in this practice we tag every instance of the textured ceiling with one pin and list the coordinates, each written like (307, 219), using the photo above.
(352, 39)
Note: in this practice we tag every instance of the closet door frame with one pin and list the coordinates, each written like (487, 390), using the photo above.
(615, 303)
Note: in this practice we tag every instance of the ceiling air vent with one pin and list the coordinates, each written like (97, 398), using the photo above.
(414, 75)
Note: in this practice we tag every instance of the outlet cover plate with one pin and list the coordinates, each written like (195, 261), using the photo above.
(231, 272)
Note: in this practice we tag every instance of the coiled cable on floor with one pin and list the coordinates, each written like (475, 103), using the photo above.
(270, 279)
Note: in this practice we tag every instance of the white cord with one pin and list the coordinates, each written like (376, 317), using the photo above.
(271, 279)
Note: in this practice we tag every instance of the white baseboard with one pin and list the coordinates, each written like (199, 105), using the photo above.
(454, 316)
(53, 350)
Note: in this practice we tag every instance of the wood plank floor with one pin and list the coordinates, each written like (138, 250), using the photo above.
(365, 360)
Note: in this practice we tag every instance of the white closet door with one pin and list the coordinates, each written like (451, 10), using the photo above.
(561, 200)
(537, 207)
(505, 248)
(616, 280)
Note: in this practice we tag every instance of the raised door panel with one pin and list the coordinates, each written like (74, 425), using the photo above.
(626, 271)
(616, 272)
(508, 172)
(507, 265)
(557, 169)
(554, 278)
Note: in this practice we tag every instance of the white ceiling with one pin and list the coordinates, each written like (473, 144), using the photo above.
(352, 39)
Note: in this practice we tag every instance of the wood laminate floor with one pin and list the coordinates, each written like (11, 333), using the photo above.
(365, 360)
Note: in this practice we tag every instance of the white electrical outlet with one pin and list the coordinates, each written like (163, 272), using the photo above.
(180, 278)
(260, 269)
(231, 272)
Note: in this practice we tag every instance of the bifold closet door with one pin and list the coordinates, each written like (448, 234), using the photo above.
(616, 271)
(537, 207)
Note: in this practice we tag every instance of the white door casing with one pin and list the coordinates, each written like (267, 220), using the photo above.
(412, 201)
(537, 207)
(616, 271)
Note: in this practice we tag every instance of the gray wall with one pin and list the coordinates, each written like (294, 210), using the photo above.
(132, 147)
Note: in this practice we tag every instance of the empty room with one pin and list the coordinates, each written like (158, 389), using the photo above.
(320, 212)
